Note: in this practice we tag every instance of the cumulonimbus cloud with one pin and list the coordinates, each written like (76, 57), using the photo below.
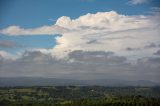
(110, 31)
(102, 31)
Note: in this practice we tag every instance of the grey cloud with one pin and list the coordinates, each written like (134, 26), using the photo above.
(124, 37)
(31, 63)
(35, 56)
(93, 28)
(148, 61)
(157, 53)
(95, 56)
(149, 64)
(7, 44)
(112, 35)
(148, 46)
(81, 64)
(1, 59)
(92, 42)
(132, 49)
(151, 45)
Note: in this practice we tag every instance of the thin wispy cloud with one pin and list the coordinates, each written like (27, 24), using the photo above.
(136, 2)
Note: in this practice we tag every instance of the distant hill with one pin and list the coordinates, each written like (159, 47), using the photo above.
(39, 81)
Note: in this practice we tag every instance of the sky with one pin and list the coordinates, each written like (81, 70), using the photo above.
(80, 39)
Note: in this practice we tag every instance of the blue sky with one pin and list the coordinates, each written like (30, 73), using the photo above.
(28, 42)
(29, 13)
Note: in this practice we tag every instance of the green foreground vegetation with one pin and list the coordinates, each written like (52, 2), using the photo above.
(79, 96)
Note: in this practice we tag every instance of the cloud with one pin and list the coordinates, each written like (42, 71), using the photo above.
(107, 31)
(132, 49)
(110, 21)
(157, 53)
(81, 65)
(6, 55)
(151, 45)
(100, 45)
(34, 56)
(102, 31)
(135, 2)
(98, 57)
(44, 30)
(7, 44)
(147, 47)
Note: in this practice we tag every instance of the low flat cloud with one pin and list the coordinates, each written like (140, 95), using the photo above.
(81, 65)
(44, 30)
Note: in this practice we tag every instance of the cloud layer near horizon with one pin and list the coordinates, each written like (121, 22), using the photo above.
(81, 65)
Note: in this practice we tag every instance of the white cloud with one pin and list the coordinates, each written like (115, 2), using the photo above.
(47, 30)
(102, 31)
(110, 31)
(135, 2)
(6, 55)
(110, 21)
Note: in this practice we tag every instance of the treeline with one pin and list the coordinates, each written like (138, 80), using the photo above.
(79, 96)
(110, 101)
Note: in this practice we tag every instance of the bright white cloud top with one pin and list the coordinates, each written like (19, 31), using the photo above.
(107, 31)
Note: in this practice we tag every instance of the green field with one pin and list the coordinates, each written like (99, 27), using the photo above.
(79, 96)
